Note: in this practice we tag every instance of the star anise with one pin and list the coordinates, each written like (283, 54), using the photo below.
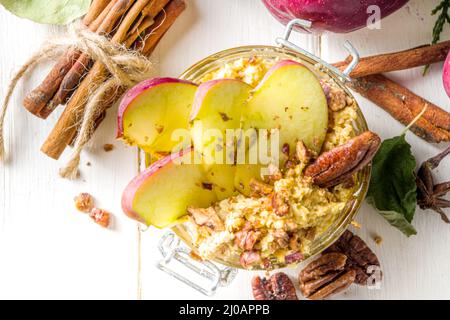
(429, 194)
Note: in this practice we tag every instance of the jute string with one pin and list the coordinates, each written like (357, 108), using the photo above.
(127, 67)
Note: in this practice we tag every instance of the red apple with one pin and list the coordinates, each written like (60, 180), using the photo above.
(446, 75)
(152, 110)
(160, 195)
(331, 15)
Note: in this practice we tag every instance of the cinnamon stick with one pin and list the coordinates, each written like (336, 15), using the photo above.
(411, 58)
(39, 97)
(146, 19)
(99, 20)
(138, 30)
(163, 21)
(404, 105)
(79, 69)
(84, 63)
(97, 123)
(172, 12)
(155, 7)
(95, 10)
(66, 127)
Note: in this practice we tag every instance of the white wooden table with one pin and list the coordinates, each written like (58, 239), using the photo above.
(49, 250)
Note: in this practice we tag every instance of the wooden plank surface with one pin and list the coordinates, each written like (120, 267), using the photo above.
(47, 248)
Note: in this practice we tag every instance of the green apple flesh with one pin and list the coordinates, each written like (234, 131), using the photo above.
(218, 106)
(222, 178)
(291, 99)
(244, 174)
(152, 110)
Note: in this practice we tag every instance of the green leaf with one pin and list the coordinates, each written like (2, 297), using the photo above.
(393, 187)
(50, 12)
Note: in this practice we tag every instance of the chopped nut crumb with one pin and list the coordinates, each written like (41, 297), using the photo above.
(224, 116)
(88, 164)
(100, 216)
(159, 128)
(84, 202)
(378, 240)
(356, 224)
(207, 185)
(108, 147)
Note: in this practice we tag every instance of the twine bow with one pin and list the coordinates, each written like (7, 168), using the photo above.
(127, 67)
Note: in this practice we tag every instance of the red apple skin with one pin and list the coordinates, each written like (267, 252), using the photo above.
(275, 67)
(446, 75)
(331, 15)
(134, 93)
(135, 184)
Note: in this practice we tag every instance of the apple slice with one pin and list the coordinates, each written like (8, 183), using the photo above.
(218, 106)
(222, 178)
(291, 99)
(160, 195)
(152, 110)
(244, 174)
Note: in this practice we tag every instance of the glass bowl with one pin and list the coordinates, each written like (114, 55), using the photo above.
(270, 53)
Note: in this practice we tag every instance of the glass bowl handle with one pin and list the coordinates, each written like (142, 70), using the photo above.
(213, 275)
(305, 24)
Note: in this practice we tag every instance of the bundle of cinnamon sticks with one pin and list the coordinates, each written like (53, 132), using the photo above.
(135, 24)
(398, 101)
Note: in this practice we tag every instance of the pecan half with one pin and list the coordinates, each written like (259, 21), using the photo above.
(207, 217)
(326, 276)
(335, 166)
(359, 256)
(277, 287)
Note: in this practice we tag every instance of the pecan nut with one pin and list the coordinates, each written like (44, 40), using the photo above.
(207, 217)
(246, 240)
(336, 97)
(335, 166)
(302, 153)
(84, 202)
(359, 256)
(100, 217)
(248, 259)
(293, 257)
(277, 287)
(280, 204)
(326, 276)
